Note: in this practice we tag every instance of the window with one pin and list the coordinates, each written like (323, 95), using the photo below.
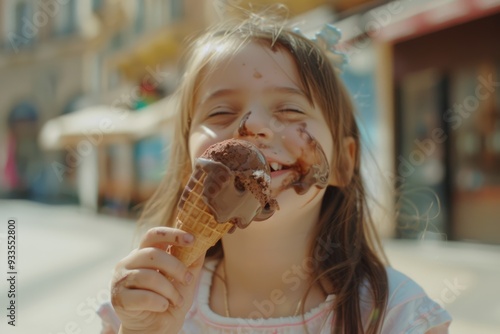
(22, 11)
(97, 5)
(24, 30)
(139, 17)
(65, 19)
(176, 9)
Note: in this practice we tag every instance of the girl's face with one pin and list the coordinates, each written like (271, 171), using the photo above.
(256, 95)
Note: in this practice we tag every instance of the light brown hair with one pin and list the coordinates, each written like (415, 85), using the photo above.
(353, 257)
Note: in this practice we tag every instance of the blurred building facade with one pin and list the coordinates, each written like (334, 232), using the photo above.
(406, 76)
(37, 83)
(49, 51)
(439, 77)
(58, 56)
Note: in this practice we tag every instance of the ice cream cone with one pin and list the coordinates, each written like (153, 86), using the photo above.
(195, 217)
(229, 188)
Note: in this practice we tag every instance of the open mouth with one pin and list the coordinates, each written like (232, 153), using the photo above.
(283, 175)
(278, 169)
(275, 166)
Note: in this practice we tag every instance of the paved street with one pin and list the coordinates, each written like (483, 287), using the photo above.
(65, 258)
(464, 278)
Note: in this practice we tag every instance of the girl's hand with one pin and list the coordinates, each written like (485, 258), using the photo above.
(151, 290)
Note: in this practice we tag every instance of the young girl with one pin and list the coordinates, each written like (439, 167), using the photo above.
(315, 266)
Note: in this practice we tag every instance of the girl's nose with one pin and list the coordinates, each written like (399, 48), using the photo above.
(255, 126)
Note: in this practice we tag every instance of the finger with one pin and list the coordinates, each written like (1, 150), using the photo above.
(188, 290)
(164, 236)
(146, 279)
(139, 300)
(156, 259)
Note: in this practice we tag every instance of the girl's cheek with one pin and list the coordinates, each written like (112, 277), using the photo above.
(292, 141)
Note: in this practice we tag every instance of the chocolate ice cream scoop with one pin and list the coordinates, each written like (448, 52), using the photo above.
(236, 187)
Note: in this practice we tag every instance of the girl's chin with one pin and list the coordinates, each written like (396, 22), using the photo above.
(290, 202)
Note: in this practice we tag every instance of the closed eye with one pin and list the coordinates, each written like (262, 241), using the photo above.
(291, 110)
(221, 117)
(290, 114)
(220, 113)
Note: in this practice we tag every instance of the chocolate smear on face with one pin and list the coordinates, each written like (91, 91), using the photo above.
(311, 167)
(315, 171)
(242, 128)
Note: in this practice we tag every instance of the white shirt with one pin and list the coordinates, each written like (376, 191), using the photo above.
(409, 310)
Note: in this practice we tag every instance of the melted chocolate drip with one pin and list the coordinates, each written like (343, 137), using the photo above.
(315, 173)
(242, 129)
(310, 173)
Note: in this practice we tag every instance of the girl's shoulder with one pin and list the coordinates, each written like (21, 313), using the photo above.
(401, 287)
(409, 308)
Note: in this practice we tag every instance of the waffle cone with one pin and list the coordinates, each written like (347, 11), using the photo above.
(195, 217)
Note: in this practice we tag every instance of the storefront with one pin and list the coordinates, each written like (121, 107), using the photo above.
(100, 144)
(442, 91)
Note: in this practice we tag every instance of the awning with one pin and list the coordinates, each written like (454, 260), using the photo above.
(437, 15)
(397, 21)
(105, 124)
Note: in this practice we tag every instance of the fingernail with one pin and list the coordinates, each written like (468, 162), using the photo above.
(180, 302)
(188, 238)
(188, 277)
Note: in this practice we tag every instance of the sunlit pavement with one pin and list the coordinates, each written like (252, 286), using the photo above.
(65, 257)
(462, 277)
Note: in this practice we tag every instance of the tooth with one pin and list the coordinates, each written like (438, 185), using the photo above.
(275, 166)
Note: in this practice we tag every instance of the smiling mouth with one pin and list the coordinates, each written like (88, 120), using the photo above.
(275, 167)
(283, 176)
(278, 169)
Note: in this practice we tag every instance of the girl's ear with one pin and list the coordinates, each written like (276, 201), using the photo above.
(341, 176)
